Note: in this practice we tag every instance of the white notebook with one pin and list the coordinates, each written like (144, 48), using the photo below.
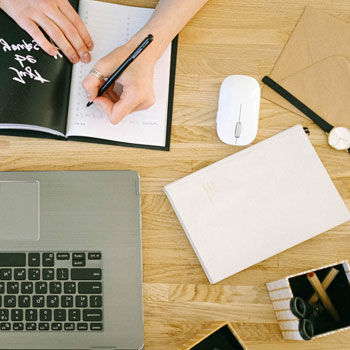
(256, 203)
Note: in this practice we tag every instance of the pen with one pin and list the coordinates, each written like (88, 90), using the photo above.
(123, 66)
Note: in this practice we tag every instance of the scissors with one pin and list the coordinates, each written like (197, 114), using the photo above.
(307, 314)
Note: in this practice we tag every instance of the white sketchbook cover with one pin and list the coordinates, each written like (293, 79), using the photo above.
(256, 203)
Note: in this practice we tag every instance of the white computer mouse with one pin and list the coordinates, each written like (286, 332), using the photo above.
(238, 112)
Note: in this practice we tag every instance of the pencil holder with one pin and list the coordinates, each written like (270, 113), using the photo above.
(317, 316)
(222, 337)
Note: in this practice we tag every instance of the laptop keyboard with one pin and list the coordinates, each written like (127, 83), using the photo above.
(51, 291)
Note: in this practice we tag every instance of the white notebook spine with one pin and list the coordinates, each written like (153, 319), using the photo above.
(165, 189)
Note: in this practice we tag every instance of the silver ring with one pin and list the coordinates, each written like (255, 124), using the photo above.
(97, 74)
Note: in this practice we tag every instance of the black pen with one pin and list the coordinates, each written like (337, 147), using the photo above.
(123, 66)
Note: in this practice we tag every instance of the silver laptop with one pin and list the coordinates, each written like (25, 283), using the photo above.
(70, 260)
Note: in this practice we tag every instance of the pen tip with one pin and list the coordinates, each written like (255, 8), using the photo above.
(89, 104)
(150, 37)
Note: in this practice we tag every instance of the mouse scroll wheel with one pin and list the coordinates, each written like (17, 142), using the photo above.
(238, 130)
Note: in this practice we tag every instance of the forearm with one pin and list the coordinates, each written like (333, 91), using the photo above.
(169, 17)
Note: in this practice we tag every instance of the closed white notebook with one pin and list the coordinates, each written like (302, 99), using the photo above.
(256, 203)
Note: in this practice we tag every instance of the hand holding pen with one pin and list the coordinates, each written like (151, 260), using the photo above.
(133, 89)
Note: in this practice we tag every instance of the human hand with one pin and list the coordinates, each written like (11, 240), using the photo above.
(132, 91)
(59, 20)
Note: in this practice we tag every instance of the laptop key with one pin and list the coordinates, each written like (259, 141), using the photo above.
(34, 259)
(52, 301)
(69, 287)
(38, 301)
(56, 326)
(86, 274)
(31, 315)
(30, 326)
(78, 256)
(34, 274)
(5, 326)
(45, 315)
(81, 301)
(12, 259)
(62, 256)
(78, 262)
(96, 326)
(16, 315)
(10, 301)
(95, 301)
(5, 274)
(60, 315)
(82, 326)
(74, 315)
(4, 315)
(94, 256)
(24, 301)
(92, 315)
(69, 326)
(18, 326)
(48, 259)
(20, 274)
(48, 274)
(55, 287)
(90, 287)
(67, 301)
(2, 287)
(12, 287)
(27, 287)
(41, 287)
(44, 326)
(62, 274)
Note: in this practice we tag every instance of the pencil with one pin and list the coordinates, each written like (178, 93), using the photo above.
(327, 303)
(325, 283)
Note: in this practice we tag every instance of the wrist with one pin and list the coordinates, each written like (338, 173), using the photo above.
(155, 49)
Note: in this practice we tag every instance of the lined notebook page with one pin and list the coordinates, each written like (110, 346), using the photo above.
(110, 26)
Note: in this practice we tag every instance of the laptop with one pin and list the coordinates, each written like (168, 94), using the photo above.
(70, 260)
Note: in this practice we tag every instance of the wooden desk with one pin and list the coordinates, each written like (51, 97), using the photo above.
(226, 37)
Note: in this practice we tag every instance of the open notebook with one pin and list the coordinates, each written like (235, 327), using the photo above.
(42, 96)
(256, 203)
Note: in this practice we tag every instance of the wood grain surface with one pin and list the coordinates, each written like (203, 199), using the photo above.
(226, 37)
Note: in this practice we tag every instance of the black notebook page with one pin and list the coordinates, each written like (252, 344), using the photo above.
(34, 87)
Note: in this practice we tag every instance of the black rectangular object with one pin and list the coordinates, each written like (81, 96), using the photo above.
(222, 339)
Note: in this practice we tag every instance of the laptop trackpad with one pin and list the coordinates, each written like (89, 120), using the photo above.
(19, 210)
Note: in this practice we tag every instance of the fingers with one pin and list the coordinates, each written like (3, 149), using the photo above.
(91, 84)
(58, 37)
(119, 110)
(33, 30)
(59, 20)
(76, 21)
(72, 35)
(129, 101)
(110, 93)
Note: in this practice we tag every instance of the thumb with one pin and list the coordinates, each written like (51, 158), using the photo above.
(127, 103)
